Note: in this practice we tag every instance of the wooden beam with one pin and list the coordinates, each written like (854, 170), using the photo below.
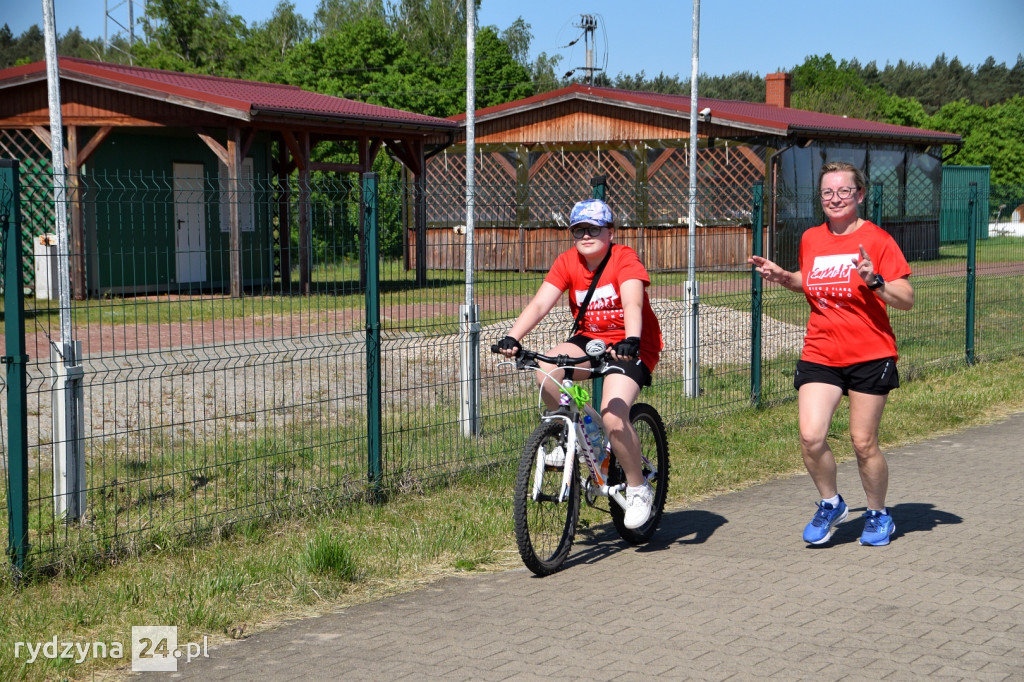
(284, 168)
(371, 153)
(420, 215)
(659, 162)
(293, 147)
(216, 147)
(248, 142)
(624, 162)
(411, 151)
(541, 161)
(77, 227)
(305, 223)
(44, 135)
(504, 163)
(234, 164)
(402, 153)
(93, 144)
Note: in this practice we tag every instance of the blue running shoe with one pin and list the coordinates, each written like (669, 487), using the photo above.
(877, 528)
(824, 523)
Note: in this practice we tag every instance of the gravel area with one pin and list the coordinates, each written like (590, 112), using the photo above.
(136, 402)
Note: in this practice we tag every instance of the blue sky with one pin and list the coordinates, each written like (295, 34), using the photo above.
(735, 35)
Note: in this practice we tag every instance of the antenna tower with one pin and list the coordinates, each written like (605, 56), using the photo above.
(122, 15)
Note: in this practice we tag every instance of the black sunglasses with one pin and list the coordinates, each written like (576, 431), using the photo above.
(581, 231)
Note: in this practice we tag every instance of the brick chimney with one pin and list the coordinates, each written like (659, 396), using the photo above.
(778, 87)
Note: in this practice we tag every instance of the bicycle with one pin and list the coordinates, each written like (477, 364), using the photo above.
(547, 495)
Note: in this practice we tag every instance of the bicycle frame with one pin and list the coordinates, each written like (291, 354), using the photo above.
(572, 399)
(547, 499)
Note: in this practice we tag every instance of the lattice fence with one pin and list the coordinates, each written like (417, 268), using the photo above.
(643, 191)
(724, 173)
(495, 199)
(923, 197)
(560, 178)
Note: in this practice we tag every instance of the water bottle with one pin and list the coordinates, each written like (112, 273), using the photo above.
(594, 432)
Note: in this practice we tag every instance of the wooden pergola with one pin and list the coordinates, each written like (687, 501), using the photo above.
(98, 98)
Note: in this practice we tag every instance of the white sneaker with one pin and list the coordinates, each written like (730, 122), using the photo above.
(555, 458)
(638, 505)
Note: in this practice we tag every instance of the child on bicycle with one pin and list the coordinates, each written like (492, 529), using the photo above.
(620, 314)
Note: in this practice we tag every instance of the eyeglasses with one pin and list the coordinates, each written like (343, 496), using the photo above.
(842, 193)
(581, 231)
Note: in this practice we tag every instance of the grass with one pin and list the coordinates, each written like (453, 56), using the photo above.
(256, 574)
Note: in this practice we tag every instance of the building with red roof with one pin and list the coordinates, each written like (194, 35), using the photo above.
(536, 156)
(190, 143)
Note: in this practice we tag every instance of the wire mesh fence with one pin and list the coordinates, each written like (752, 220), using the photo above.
(200, 410)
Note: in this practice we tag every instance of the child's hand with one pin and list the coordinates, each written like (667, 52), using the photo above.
(627, 349)
(508, 347)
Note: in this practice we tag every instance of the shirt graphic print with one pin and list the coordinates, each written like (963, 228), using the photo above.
(831, 277)
(604, 311)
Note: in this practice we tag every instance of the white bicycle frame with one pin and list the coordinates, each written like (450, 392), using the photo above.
(574, 429)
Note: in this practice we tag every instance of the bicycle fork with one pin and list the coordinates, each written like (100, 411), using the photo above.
(567, 468)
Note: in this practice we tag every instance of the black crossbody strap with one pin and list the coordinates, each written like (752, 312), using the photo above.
(590, 292)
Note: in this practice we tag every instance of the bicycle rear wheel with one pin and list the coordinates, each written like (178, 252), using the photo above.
(654, 446)
(545, 528)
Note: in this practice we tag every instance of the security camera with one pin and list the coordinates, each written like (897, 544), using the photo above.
(705, 112)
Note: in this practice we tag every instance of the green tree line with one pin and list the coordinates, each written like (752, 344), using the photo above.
(410, 54)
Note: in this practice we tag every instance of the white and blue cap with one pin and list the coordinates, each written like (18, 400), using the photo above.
(591, 212)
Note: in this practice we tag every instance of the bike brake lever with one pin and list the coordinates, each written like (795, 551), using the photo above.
(526, 361)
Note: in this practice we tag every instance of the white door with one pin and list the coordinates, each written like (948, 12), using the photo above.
(190, 222)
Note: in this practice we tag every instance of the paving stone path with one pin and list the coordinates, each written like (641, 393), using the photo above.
(727, 591)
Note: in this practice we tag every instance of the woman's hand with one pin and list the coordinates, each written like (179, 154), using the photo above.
(772, 272)
(865, 268)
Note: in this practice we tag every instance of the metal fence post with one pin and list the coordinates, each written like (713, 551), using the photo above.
(877, 192)
(371, 202)
(972, 246)
(15, 359)
(756, 293)
(599, 183)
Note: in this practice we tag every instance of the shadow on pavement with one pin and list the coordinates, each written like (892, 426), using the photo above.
(686, 527)
(910, 517)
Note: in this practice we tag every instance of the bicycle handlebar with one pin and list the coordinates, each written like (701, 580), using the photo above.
(527, 359)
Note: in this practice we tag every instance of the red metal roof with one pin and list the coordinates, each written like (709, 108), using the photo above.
(747, 116)
(247, 99)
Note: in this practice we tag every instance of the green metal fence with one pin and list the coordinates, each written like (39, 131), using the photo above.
(200, 410)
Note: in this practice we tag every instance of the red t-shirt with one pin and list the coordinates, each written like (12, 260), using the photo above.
(604, 318)
(848, 323)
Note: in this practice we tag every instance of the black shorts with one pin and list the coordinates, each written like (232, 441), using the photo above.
(875, 377)
(635, 369)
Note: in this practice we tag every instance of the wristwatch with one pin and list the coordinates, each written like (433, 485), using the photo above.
(879, 283)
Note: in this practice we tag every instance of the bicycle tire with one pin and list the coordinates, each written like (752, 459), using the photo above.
(654, 445)
(545, 528)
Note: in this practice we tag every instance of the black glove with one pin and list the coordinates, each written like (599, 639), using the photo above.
(629, 347)
(509, 343)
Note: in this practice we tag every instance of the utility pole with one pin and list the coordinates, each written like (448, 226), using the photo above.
(588, 24)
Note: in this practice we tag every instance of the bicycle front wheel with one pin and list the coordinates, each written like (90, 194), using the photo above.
(654, 447)
(545, 528)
